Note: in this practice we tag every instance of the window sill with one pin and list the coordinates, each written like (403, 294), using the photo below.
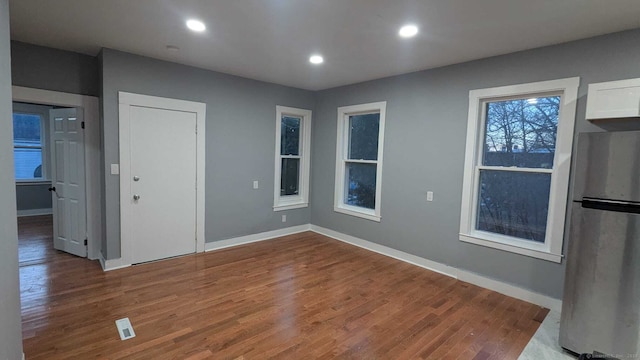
(290, 206)
(527, 251)
(357, 213)
(33, 182)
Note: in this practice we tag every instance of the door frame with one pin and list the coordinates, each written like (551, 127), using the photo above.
(92, 160)
(125, 101)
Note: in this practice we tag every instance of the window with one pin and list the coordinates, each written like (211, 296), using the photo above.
(518, 153)
(293, 145)
(359, 160)
(29, 142)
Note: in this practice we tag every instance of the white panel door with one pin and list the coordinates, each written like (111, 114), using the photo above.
(68, 181)
(163, 183)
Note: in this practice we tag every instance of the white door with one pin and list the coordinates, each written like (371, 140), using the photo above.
(68, 181)
(162, 197)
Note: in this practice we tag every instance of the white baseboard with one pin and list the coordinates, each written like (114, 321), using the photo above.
(462, 275)
(22, 356)
(114, 264)
(242, 240)
(387, 251)
(35, 212)
(511, 290)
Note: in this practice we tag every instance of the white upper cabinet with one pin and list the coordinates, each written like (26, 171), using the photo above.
(614, 100)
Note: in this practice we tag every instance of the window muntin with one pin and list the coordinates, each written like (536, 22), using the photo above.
(519, 142)
(293, 136)
(28, 146)
(359, 160)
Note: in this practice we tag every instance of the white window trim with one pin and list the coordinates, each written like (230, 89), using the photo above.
(289, 202)
(341, 157)
(43, 112)
(551, 250)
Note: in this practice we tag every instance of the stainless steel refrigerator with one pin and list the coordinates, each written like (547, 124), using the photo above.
(601, 301)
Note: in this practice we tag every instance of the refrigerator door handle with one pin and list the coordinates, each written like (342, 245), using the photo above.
(611, 205)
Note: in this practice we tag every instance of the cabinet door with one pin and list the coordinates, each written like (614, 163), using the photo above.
(614, 99)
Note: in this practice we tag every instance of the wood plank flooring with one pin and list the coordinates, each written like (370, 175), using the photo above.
(303, 296)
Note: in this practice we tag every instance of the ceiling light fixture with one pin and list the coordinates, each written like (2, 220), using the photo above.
(196, 25)
(173, 48)
(408, 31)
(316, 59)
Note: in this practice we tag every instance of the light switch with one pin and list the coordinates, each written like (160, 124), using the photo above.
(115, 169)
(255, 184)
(429, 195)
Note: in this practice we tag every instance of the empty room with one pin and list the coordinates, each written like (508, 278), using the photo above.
(280, 179)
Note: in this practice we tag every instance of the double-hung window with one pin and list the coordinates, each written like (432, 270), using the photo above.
(359, 160)
(29, 143)
(293, 146)
(518, 155)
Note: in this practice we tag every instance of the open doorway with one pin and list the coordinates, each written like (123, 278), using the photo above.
(48, 156)
(33, 180)
(61, 161)
(49, 172)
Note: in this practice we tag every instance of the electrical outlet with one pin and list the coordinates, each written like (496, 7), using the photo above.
(255, 184)
(429, 195)
(284, 218)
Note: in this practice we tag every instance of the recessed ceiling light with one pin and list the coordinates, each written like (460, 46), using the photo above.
(316, 59)
(196, 25)
(408, 31)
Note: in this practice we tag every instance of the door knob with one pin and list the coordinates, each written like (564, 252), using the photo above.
(136, 178)
(136, 197)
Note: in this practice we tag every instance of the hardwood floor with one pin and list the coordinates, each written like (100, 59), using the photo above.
(302, 296)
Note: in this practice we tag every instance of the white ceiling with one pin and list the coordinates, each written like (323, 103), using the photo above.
(271, 40)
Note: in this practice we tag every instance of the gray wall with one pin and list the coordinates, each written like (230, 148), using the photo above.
(10, 325)
(240, 141)
(424, 150)
(33, 196)
(52, 69)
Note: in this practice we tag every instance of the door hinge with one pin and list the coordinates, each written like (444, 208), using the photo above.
(82, 125)
(85, 242)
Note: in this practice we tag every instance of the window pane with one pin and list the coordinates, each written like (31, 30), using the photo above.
(28, 163)
(363, 136)
(290, 136)
(27, 146)
(514, 204)
(361, 185)
(289, 177)
(26, 130)
(521, 132)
